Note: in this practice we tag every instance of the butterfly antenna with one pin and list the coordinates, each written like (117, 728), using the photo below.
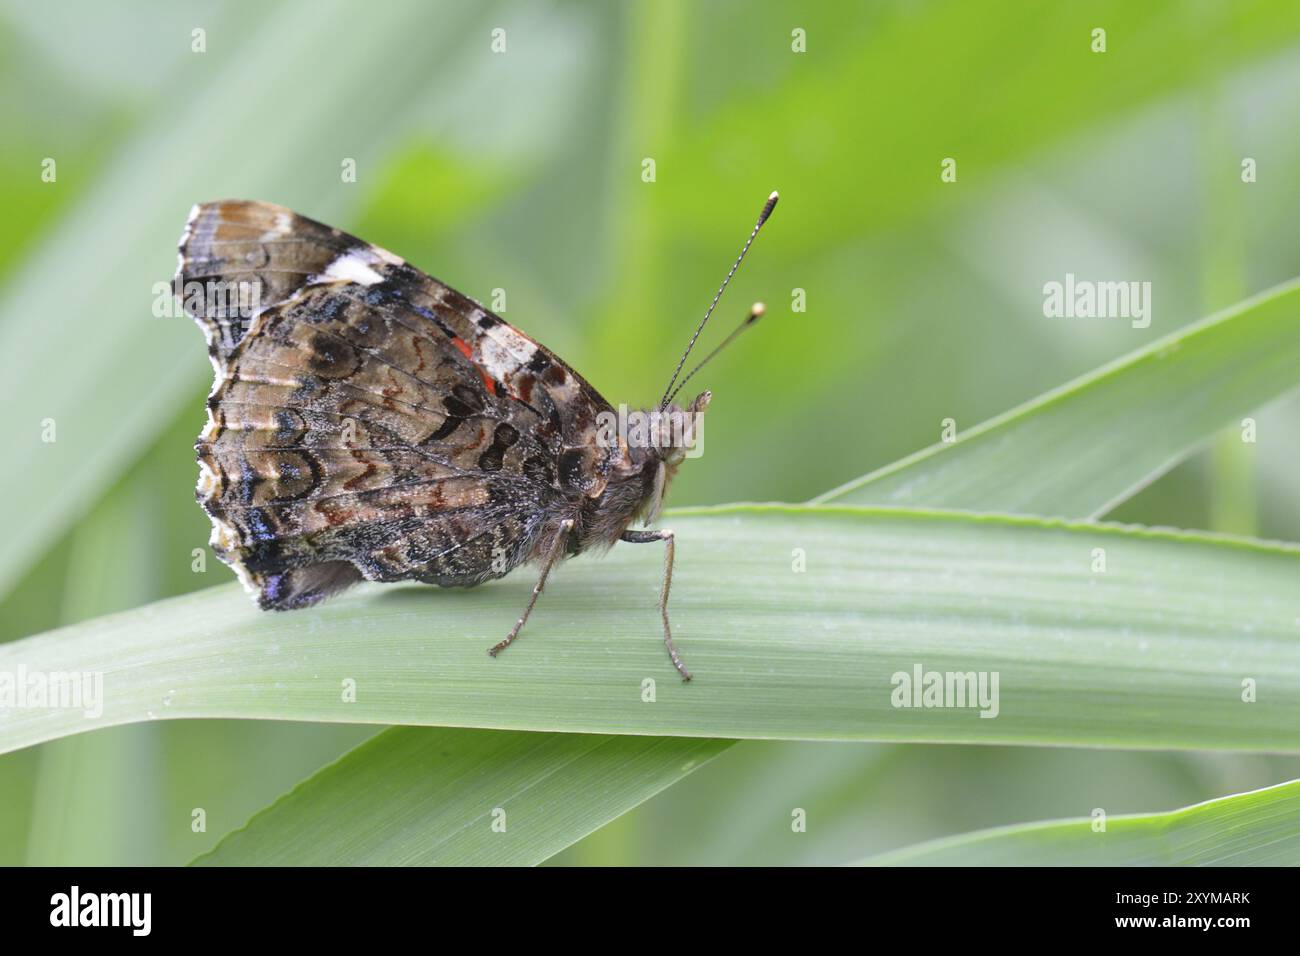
(755, 313)
(762, 218)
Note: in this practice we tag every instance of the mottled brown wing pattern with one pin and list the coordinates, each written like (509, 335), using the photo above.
(368, 421)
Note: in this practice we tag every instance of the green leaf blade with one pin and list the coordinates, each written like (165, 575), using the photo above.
(1151, 653)
(1082, 449)
(1261, 828)
(460, 798)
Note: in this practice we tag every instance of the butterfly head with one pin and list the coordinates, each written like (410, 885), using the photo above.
(675, 434)
(681, 430)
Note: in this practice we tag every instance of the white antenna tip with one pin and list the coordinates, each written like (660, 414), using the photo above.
(774, 197)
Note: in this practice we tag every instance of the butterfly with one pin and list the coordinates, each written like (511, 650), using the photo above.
(368, 422)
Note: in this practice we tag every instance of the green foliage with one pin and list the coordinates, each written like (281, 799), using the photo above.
(1187, 384)
(490, 798)
(522, 172)
(1249, 829)
(1102, 635)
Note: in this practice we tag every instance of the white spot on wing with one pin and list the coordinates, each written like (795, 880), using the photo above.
(352, 267)
(211, 431)
(388, 256)
(207, 480)
(496, 359)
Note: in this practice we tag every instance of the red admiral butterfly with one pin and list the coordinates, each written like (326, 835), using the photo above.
(369, 422)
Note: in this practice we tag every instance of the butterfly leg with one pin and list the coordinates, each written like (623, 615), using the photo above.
(557, 549)
(666, 536)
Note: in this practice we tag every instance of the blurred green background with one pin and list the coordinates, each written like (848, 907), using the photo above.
(522, 170)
